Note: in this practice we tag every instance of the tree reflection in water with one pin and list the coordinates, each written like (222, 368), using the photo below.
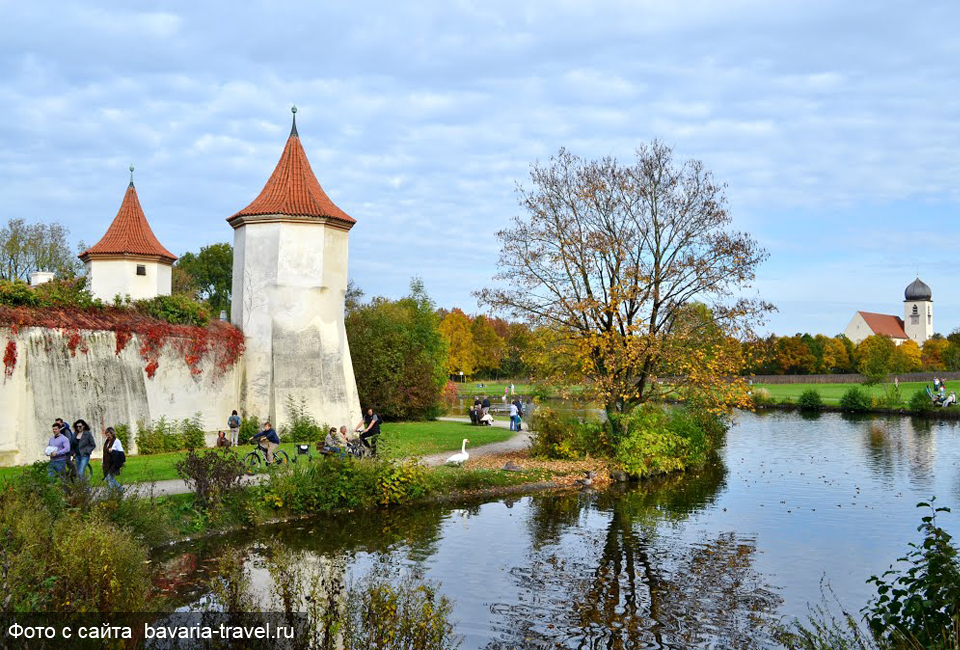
(631, 583)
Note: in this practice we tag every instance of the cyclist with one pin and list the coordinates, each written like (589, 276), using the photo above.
(58, 448)
(269, 440)
(369, 429)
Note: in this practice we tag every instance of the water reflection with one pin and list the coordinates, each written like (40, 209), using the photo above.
(620, 585)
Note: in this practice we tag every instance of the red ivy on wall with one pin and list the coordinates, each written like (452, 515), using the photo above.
(221, 342)
(10, 358)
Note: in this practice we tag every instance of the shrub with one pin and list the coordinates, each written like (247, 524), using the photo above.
(123, 435)
(761, 397)
(55, 559)
(176, 309)
(249, 427)
(920, 402)
(891, 397)
(563, 436)
(170, 435)
(211, 475)
(810, 400)
(301, 427)
(345, 483)
(17, 293)
(921, 602)
(856, 399)
(66, 292)
(658, 441)
(191, 431)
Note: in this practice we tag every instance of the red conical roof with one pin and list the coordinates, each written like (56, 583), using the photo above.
(129, 234)
(293, 190)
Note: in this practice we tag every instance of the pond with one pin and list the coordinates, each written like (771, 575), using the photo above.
(696, 561)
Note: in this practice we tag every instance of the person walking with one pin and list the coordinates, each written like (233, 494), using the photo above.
(513, 416)
(113, 458)
(519, 404)
(233, 423)
(58, 449)
(83, 446)
(369, 429)
(484, 406)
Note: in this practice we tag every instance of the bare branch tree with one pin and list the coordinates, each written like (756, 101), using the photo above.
(609, 256)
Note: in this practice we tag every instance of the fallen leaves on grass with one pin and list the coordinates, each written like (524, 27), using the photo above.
(565, 472)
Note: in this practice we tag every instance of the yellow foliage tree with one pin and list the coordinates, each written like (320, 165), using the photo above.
(835, 357)
(462, 357)
(933, 354)
(908, 357)
(489, 346)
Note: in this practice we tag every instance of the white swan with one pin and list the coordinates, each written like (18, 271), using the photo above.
(461, 458)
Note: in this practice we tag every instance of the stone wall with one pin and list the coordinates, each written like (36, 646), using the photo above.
(93, 382)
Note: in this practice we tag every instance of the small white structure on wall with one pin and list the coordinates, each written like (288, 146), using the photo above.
(289, 280)
(916, 324)
(129, 260)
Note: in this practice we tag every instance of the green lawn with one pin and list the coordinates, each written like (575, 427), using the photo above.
(398, 439)
(831, 393)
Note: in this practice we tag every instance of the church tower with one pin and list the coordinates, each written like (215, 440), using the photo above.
(289, 281)
(918, 311)
(129, 260)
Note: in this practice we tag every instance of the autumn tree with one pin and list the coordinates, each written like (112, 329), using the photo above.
(935, 353)
(607, 256)
(488, 345)
(28, 247)
(462, 357)
(794, 356)
(835, 357)
(907, 357)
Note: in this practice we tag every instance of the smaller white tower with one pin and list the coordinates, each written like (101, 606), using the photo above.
(129, 260)
(918, 311)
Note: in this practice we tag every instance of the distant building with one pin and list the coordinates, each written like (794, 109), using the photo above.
(129, 260)
(916, 324)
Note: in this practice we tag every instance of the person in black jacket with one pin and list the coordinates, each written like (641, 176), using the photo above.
(369, 429)
(82, 445)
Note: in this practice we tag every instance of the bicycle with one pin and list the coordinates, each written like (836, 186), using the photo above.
(258, 457)
(357, 449)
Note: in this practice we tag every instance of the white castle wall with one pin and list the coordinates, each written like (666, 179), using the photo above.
(101, 387)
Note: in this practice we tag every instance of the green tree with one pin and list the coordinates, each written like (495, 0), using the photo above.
(875, 357)
(399, 355)
(207, 275)
(519, 340)
(462, 356)
(28, 247)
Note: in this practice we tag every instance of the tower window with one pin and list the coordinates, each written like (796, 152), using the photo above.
(142, 270)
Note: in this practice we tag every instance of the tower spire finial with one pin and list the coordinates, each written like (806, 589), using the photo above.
(293, 129)
(131, 175)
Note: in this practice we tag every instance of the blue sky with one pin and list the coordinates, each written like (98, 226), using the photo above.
(835, 126)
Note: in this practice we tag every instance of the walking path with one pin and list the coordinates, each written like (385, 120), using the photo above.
(519, 441)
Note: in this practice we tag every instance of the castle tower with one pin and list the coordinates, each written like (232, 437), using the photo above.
(289, 281)
(129, 260)
(918, 311)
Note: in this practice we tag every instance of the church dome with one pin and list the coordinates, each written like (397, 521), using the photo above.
(918, 290)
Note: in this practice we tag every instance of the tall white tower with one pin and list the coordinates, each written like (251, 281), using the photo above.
(289, 281)
(918, 311)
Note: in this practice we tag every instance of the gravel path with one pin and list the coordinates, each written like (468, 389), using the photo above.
(518, 442)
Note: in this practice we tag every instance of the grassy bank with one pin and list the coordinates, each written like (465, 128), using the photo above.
(831, 393)
(399, 439)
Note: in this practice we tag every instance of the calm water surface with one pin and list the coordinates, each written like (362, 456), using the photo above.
(699, 561)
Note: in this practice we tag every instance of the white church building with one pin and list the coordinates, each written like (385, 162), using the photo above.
(916, 324)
